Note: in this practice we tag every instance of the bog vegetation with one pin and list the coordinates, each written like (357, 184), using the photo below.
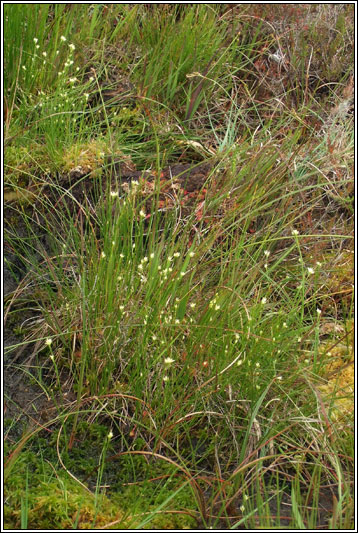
(178, 231)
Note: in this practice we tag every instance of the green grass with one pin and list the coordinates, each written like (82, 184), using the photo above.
(184, 345)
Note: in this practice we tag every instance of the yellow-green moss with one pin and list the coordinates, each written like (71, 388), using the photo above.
(339, 374)
(56, 501)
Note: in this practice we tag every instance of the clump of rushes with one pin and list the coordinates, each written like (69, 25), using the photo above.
(188, 323)
(177, 324)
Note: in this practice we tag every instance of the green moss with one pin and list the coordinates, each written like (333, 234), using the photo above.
(23, 164)
(147, 501)
(57, 501)
(58, 504)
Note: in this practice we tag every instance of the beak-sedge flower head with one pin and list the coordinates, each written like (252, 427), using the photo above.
(168, 361)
